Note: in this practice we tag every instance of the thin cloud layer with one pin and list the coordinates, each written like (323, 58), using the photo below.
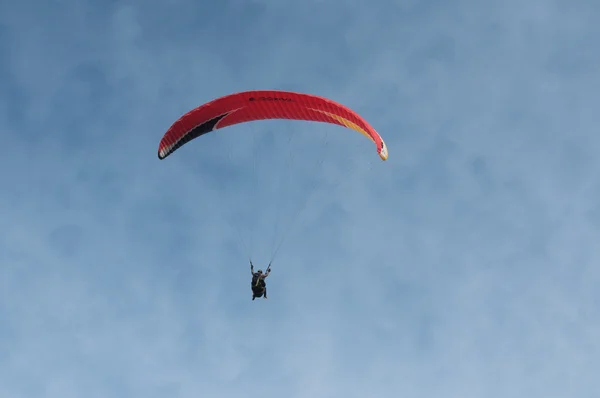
(464, 266)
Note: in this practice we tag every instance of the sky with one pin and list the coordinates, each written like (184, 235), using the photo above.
(465, 266)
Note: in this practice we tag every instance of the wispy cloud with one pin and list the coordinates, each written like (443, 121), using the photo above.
(464, 266)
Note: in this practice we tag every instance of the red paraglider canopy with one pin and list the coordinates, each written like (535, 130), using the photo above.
(259, 105)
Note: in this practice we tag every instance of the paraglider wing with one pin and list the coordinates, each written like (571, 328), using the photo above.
(259, 105)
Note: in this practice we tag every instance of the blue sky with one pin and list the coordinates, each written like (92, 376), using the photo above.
(464, 266)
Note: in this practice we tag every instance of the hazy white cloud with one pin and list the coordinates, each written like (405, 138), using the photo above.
(464, 266)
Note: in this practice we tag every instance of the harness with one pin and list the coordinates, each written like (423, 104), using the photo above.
(256, 279)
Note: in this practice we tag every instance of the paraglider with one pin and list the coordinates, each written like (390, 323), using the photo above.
(250, 106)
(258, 284)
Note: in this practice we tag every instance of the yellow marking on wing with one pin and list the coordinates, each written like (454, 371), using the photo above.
(346, 123)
